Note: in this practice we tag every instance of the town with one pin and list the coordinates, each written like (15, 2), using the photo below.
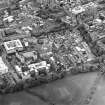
(45, 40)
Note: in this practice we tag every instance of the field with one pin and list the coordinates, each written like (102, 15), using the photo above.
(68, 91)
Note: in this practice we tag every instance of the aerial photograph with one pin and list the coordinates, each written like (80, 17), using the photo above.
(52, 52)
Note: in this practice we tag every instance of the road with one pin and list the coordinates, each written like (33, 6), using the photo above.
(68, 91)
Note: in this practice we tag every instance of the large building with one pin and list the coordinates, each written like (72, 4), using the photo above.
(13, 45)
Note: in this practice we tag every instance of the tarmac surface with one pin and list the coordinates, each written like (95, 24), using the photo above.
(70, 90)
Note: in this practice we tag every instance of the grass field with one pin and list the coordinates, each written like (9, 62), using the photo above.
(68, 91)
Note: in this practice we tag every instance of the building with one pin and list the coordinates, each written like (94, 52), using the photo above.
(40, 65)
(3, 67)
(13, 45)
(77, 10)
(37, 68)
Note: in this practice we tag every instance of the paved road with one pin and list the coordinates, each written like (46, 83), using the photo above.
(68, 91)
